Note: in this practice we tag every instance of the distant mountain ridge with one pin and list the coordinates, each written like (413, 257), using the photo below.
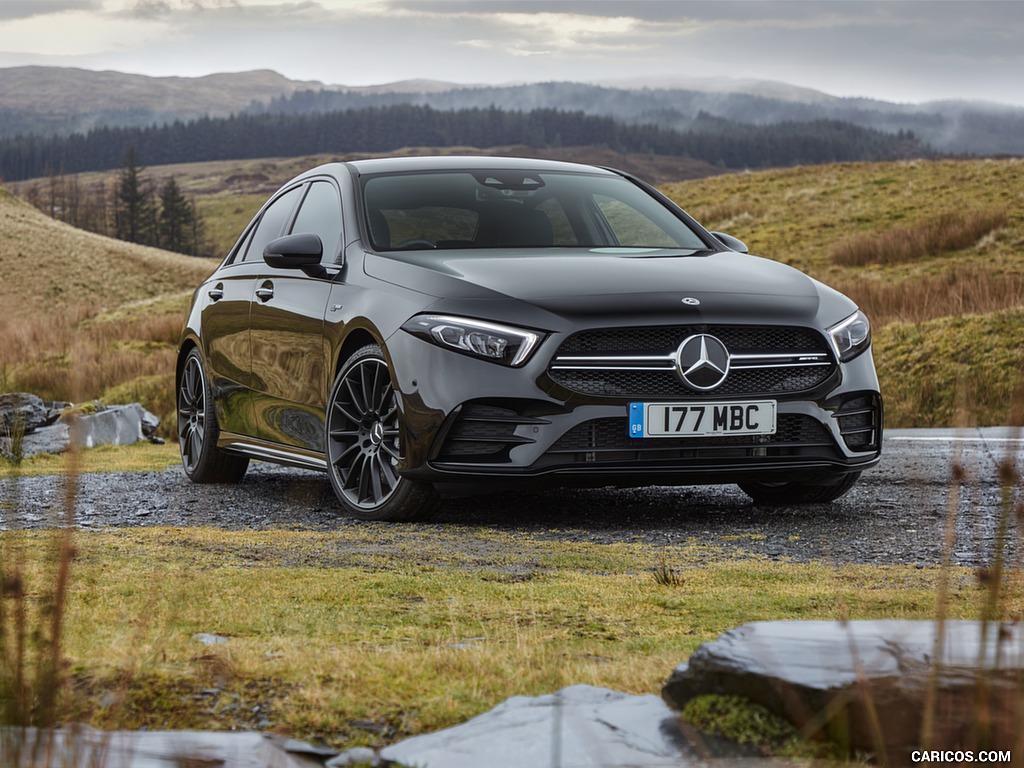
(56, 100)
(64, 100)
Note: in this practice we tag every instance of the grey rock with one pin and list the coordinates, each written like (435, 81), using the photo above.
(108, 425)
(830, 677)
(114, 425)
(21, 410)
(81, 746)
(579, 726)
(55, 438)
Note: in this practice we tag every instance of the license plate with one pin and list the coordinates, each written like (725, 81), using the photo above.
(749, 417)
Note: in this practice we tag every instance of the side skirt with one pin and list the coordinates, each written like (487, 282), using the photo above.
(272, 452)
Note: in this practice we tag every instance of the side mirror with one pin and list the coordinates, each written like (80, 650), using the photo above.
(732, 243)
(303, 251)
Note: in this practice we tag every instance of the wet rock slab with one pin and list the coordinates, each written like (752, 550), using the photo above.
(866, 683)
(82, 746)
(578, 726)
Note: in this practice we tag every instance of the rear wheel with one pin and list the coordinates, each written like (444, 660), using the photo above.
(799, 493)
(203, 461)
(364, 444)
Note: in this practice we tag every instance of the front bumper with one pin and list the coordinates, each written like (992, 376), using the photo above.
(470, 422)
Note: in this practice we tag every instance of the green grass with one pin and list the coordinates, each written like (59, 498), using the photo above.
(140, 457)
(412, 628)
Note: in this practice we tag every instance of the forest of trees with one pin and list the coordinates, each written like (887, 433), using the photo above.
(380, 129)
(131, 208)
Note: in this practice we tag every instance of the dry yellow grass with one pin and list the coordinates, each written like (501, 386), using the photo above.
(86, 316)
(933, 236)
(969, 287)
(47, 266)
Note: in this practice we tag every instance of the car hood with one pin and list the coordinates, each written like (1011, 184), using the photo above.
(610, 281)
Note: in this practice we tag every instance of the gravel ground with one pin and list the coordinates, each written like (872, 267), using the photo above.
(896, 514)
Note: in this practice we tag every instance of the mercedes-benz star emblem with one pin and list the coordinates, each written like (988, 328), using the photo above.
(690, 301)
(702, 362)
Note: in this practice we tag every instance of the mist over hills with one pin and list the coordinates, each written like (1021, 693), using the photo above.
(953, 126)
(61, 101)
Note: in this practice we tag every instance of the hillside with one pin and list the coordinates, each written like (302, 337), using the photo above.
(47, 265)
(948, 318)
(62, 100)
(957, 127)
(48, 100)
(88, 317)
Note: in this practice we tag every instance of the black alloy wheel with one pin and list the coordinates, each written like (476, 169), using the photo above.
(203, 461)
(364, 444)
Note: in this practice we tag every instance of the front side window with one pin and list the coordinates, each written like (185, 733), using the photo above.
(320, 215)
(517, 209)
(272, 223)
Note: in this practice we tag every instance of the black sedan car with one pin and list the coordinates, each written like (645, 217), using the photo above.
(416, 326)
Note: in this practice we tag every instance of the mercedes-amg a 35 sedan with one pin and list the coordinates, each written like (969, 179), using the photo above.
(420, 325)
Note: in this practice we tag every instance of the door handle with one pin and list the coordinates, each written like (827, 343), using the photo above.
(217, 292)
(265, 292)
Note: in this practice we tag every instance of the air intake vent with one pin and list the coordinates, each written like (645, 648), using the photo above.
(860, 422)
(484, 434)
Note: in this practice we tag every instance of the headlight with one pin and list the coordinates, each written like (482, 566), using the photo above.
(851, 337)
(499, 343)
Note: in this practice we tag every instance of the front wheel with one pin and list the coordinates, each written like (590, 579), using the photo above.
(364, 444)
(797, 492)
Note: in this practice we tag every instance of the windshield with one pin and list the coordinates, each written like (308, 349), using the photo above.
(517, 209)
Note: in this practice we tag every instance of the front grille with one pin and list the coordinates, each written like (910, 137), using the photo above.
(640, 362)
(484, 434)
(860, 420)
(665, 339)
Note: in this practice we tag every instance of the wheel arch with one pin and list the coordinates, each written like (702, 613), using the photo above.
(183, 351)
(356, 340)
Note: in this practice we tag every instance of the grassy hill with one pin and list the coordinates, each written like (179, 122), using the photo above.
(932, 250)
(86, 316)
(64, 99)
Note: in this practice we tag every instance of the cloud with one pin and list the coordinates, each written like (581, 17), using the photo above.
(894, 49)
(27, 9)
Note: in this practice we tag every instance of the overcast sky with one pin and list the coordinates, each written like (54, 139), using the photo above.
(895, 50)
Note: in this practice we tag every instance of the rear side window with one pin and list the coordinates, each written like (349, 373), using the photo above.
(272, 224)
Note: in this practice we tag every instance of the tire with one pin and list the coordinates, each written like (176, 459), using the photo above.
(198, 431)
(799, 493)
(364, 444)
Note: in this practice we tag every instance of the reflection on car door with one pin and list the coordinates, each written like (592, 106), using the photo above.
(225, 321)
(289, 371)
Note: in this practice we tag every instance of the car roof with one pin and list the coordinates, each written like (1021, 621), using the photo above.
(467, 162)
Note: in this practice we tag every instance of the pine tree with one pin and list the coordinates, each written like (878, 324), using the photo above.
(177, 219)
(134, 212)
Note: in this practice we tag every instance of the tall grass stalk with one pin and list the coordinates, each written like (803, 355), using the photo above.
(35, 578)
